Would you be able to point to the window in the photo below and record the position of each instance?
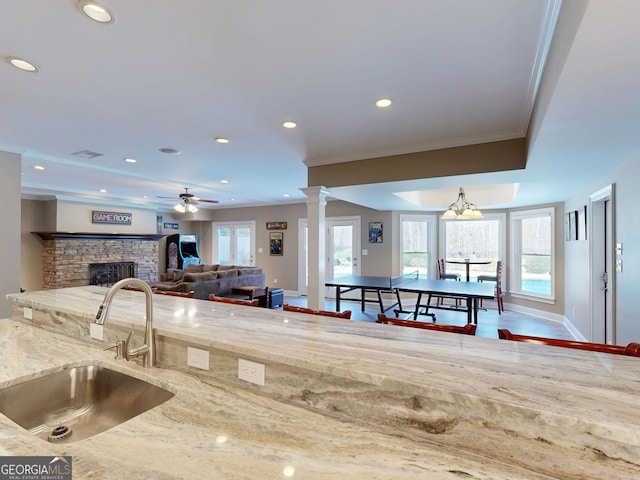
(482, 239)
(532, 253)
(417, 241)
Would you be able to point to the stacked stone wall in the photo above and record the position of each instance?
(66, 261)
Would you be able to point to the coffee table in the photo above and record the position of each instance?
(251, 291)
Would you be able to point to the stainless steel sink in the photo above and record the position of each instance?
(78, 402)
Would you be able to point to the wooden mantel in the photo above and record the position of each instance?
(96, 236)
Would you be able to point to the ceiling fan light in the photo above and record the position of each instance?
(180, 208)
(192, 208)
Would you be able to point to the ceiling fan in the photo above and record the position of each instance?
(188, 202)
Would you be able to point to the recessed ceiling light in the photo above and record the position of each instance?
(222, 140)
(383, 102)
(22, 64)
(38, 167)
(224, 181)
(170, 151)
(102, 190)
(286, 194)
(95, 11)
(130, 160)
(289, 124)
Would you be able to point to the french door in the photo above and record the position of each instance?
(342, 247)
(234, 243)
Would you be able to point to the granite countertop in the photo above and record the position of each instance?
(569, 407)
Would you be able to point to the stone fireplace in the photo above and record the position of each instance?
(67, 256)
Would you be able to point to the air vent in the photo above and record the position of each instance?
(86, 154)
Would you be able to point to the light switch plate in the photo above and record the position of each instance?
(28, 313)
(198, 358)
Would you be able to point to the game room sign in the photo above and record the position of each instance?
(111, 218)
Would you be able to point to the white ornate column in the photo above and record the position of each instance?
(316, 203)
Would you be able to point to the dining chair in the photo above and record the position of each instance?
(327, 313)
(443, 275)
(174, 294)
(632, 349)
(235, 301)
(497, 278)
(468, 329)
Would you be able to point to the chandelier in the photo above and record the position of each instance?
(462, 209)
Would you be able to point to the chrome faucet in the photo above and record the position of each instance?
(148, 349)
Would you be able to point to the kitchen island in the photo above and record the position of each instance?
(341, 398)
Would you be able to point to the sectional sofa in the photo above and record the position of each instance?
(205, 279)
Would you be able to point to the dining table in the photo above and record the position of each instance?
(467, 262)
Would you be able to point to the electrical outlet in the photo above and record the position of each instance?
(198, 358)
(96, 331)
(275, 280)
(28, 313)
(252, 372)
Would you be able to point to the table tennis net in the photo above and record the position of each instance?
(402, 279)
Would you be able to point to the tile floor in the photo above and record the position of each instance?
(489, 321)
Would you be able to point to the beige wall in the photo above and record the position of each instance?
(43, 216)
(34, 219)
(10, 218)
(284, 269)
(77, 217)
(627, 231)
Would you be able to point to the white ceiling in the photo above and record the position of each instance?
(178, 74)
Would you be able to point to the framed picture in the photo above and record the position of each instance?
(583, 223)
(375, 232)
(571, 225)
(275, 243)
(276, 225)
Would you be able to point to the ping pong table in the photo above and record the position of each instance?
(470, 292)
